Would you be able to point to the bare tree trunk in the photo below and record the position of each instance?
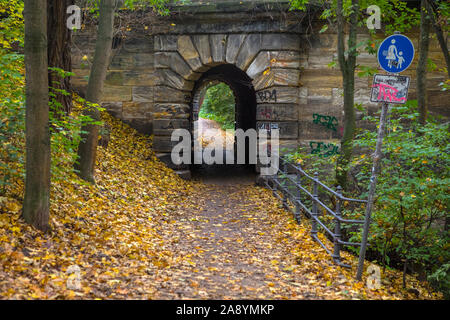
(59, 44)
(439, 33)
(422, 64)
(347, 66)
(37, 181)
(88, 146)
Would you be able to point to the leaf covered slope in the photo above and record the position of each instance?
(143, 233)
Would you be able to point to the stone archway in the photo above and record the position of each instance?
(266, 63)
(244, 94)
(239, 83)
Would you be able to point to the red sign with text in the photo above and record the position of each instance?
(390, 88)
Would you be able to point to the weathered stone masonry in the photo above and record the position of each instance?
(156, 71)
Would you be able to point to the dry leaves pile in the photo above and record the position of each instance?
(143, 233)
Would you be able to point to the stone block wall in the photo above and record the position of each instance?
(153, 72)
(131, 79)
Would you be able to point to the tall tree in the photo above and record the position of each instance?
(88, 146)
(424, 40)
(347, 66)
(37, 181)
(59, 54)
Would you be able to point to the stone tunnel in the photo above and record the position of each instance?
(276, 62)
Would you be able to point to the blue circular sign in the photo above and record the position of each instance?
(396, 53)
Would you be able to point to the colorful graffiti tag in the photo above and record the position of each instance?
(390, 88)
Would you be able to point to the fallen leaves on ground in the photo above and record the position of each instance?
(143, 233)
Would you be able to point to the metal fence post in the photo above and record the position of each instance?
(314, 206)
(273, 187)
(337, 228)
(274, 183)
(285, 185)
(298, 197)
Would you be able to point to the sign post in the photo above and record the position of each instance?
(372, 187)
(394, 55)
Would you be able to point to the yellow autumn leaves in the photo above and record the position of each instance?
(142, 233)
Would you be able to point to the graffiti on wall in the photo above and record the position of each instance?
(329, 122)
(268, 96)
(268, 113)
(323, 150)
(269, 126)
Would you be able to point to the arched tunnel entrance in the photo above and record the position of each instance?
(244, 118)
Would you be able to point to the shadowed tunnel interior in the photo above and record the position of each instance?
(245, 118)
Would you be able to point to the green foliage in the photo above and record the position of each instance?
(312, 163)
(440, 279)
(445, 85)
(160, 6)
(412, 203)
(365, 71)
(11, 23)
(395, 16)
(443, 8)
(65, 130)
(219, 105)
(411, 207)
(298, 4)
(12, 117)
(12, 98)
(431, 66)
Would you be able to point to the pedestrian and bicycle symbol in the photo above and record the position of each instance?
(396, 53)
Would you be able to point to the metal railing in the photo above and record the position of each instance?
(289, 180)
